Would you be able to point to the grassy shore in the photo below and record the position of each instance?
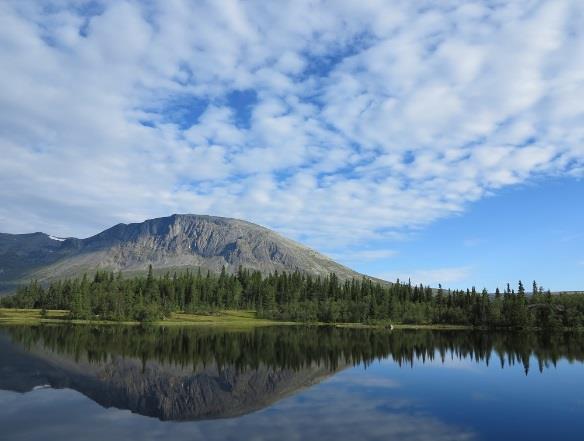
(227, 318)
(403, 326)
(222, 318)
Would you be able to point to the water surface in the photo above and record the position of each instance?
(288, 383)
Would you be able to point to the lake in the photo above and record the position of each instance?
(288, 383)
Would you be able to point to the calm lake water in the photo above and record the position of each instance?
(288, 383)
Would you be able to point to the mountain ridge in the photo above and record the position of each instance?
(169, 392)
(174, 242)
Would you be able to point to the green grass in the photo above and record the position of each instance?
(226, 318)
(433, 327)
(222, 318)
(30, 316)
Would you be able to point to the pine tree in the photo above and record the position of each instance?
(534, 289)
(520, 288)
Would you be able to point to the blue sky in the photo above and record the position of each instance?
(525, 232)
(438, 140)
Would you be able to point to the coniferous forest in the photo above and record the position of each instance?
(299, 297)
(300, 347)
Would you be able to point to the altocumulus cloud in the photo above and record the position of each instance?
(329, 121)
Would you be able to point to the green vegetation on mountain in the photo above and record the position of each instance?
(175, 243)
(297, 347)
(297, 297)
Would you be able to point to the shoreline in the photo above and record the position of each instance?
(225, 318)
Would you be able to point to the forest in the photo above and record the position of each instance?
(299, 297)
(300, 347)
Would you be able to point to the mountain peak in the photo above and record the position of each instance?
(175, 242)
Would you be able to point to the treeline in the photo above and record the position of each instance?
(299, 297)
(299, 347)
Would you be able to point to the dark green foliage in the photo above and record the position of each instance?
(298, 347)
(299, 297)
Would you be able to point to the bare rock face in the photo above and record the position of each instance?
(169, 393)
(168, 243)
(154, 389)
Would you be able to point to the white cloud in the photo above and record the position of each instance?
(365, 255)
(368, 118)
(377, 382)
(430, 277)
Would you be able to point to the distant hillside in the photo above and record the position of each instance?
(176, 242)
(152, 388)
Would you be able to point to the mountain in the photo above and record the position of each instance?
(153, 388)
(172, 243)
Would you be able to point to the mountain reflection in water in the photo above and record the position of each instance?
(174, 373)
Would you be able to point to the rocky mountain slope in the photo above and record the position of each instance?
(154, 389)
(176, 242)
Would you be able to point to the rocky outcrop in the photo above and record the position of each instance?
(169, 243)
(151, 388)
